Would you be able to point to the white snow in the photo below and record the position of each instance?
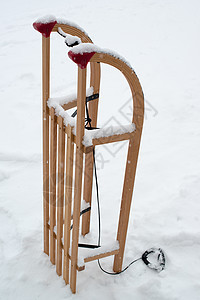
(84, 205)
(69, 39)
(51, 18)
(46, 19)
(89, 135)
(70, 23)
(161, 41)
(55, 229)
(88, 48)
(105, 132)
(67, 99)
(57, 103)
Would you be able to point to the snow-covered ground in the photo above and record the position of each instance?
(161, 41)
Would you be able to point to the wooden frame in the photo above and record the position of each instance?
(58, 190)
(88, 175)
(78, 173)
(68, 202)
(53, 156)
(45, 96)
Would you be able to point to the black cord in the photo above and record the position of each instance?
(98, 202)
(117, 273)
(65, 36)
(88, 122)
(61, 34)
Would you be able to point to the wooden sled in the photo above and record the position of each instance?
(57, 190)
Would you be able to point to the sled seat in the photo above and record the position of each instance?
(91, 138)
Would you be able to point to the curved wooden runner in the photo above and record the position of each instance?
(133, 149)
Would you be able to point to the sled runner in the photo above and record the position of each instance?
(58, 127)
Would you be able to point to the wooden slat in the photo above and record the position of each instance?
(102, 255)
(113, 138)
(80, 268)
(70, 105)
(78, 173)
(68, 202)
(88, 173)
(87, 191)
(95, 257)
(107, 140)
(45, 90)
(60, 195)
(129, 179)
(53, 155)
